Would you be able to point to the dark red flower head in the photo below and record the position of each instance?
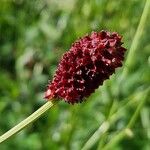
(90, 61)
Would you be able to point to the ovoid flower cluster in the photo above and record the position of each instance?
(90, 61)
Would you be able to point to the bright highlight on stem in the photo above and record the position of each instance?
(27, 121)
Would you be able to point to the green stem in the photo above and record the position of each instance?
(26, 121)
(127, 130)
(136, 39)
(104, 126)
(101, 130)
(99, 133)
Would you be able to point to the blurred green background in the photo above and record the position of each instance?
(33, 36)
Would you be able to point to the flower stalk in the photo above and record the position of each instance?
(27, 121)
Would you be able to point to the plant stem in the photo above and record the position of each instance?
(103, 128)
(116, 139)
(26, 121)
(136, 39)
(99, 133)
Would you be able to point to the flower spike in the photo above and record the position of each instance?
(90, 61)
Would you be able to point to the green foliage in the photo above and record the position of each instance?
(33, 36)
